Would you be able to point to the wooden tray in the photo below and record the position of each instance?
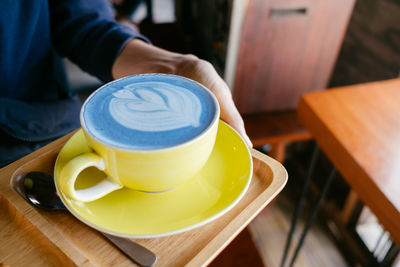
(34, 237)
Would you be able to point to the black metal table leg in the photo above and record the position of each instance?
(374, 251)
(300, 203)
(390, 256)
(314, 213)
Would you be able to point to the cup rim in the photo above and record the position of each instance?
(214, 121)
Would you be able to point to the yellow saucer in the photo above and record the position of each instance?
(128, 213)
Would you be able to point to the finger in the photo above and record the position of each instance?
(233, 118)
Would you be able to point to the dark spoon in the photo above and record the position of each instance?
(40, 191)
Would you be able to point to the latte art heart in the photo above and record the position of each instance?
(155, 107)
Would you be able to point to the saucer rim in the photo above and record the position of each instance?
(168, 233)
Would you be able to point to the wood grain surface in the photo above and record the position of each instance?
(371, 47)
(358, 128)
(60, 237)
(287, 48)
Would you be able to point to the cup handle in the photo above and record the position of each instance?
(70, 172)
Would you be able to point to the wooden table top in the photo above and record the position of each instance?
(358, 128)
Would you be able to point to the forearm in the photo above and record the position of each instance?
(85, 31)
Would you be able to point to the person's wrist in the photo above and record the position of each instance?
(139, 57)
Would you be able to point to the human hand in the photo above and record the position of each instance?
(204, 73)
(139, 57)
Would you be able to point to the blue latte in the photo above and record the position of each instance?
(149, 111)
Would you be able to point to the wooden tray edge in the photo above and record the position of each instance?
(33, 215)
(279, 180)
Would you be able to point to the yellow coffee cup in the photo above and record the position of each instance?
(149, 132)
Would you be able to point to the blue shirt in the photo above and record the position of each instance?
(36, 104)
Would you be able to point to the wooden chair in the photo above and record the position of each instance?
(277, 51)
(275, 128)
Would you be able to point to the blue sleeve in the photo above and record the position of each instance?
(85, 31)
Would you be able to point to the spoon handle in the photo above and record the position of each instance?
(134, 251)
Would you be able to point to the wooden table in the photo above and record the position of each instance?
(31, 236)
(358, 128)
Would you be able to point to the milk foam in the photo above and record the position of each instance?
(155, 107)
(147, 112)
